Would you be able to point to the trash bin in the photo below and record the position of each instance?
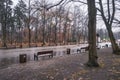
(68, 51)
(106, 45)
(22, 58)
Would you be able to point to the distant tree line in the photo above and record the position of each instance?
(38, 23)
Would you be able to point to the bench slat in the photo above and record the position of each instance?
(42, 53)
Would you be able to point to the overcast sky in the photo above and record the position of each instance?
(53, 1)
(15, 2)
(100, 24)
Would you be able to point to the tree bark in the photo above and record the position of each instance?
(108, 22)
(92, 62)
(29, 30)
(115, 47)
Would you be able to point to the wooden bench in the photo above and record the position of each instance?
(43, 53)
(83, 49)
(86, 48)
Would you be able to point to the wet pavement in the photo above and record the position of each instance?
(11, 56)
(67, 67)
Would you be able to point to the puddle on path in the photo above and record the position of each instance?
(9, 57)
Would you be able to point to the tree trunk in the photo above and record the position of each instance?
(55, 40)
(115, 47)
(4, 26)
(29, 37)
(92, 62)
(108, 22)
(43, 41)
(29, 31)
(4, 35)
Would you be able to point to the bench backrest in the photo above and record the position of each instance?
(44, 52)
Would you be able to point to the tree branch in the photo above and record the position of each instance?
(113, 5)
(108, 7)
(79, 1)
(55, 4)
(102, 11)
(117, 21)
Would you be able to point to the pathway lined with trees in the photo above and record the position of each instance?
(66, 67)
(40, 23)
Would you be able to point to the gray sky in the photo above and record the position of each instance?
(15, 2)
(83, 7)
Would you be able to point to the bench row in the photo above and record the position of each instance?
(50, 52)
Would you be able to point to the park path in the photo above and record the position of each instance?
(11, 56)
(67, 67)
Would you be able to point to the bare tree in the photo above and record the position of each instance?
(92, 62)
(5, 16)
(116, 18)
(108, 20)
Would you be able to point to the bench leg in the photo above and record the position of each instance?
(83, 51)
(35, 57)
(51, 56)
(78, 51)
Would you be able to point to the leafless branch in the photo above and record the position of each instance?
(79, 1)
(55, 4)
(117, 21)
